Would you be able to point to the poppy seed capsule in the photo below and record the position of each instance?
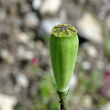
(63, 51)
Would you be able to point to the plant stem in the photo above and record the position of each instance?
(63, 100)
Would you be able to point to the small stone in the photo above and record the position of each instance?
(25, 8)
(46, 26)
(31, 45)
(22, 80)
(73, 81)
(91, 50)
(106, 106)
(18, 22)
(50, 6)
(22, 53)
(38, 45)
(23, 38)
(7, 56)
(2, 15)
(7, 102)
(100, 65)
(86, 65)
(36, 4)
(20, 50)
(44, 52)
(31, 20)
(10, 59)
(87, 101)
(90, 29)
(28, 55)
(31, 35)
(4, 54)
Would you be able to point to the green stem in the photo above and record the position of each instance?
(63, 100)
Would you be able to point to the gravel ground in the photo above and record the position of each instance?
(24, 48)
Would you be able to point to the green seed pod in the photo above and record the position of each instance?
(63, 51)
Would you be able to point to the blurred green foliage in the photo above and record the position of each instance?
(91, 82)
(48, 97)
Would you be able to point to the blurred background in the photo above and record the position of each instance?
(26, 81)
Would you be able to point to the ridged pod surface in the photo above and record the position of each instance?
(63, 51)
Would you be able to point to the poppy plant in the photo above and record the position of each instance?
(63, 51)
